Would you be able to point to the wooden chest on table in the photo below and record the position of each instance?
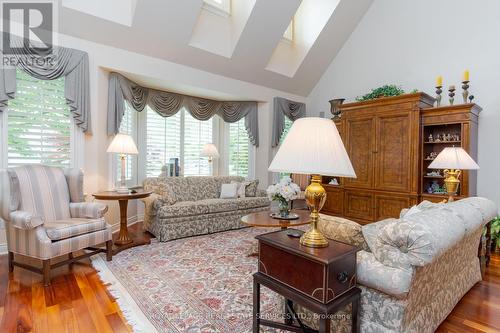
(322, 274)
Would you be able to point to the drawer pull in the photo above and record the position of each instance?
(342, 277)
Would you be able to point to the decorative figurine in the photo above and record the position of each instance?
(471, 97)
(451, 93)
(431, 139)
(334, 181)
(335, 107)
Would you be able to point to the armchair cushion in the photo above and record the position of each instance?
(25, 220)
(74, 178)
(372, 273)
(89, 210)
(67, 228)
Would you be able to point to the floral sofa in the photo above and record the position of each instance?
(189, 206)
(413, 270)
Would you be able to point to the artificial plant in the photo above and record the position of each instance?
(387, 90)
(495, 232)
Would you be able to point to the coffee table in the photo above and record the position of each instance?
(263, 220)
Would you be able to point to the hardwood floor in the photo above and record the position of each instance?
(77, 301)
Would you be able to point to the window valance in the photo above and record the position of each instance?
(70, 63)
(168, 104)
(284, 107)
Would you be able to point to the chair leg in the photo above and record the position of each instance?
(70, 255)
(11, 261)
(109, 250)
(46, 272)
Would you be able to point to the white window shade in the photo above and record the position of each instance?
(196, 134)
(127, 126)
(38, 123)
(239, 149)
(163, 140)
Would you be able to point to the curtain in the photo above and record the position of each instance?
(62, 61)
(167, 104)
(284, 107)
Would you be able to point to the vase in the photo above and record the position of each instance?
(335, 107)
(284, 208)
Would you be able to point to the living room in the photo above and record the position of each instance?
(231, 120)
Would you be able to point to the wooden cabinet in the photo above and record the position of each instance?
(385, 140)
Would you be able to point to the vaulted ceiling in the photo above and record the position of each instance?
(247, 45)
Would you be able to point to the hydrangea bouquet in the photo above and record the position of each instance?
(283, 192)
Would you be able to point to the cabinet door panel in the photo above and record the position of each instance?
(360, 135)
(387, 206)
(334, 203)
(393, 158)
(358, 205)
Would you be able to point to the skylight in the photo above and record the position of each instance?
(220, 7)
(288, 35)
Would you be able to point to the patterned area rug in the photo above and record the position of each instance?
(197, 284)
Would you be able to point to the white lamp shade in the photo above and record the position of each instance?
(210, 150)
(454, 158)
(123, 144)
(313, 146)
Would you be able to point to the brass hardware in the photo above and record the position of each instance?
(315, 196)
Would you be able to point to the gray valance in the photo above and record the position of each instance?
(62, 61)
(167, 104)
(284, 107)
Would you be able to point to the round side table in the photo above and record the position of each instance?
(124, 240)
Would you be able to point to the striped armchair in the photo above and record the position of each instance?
(46, 217)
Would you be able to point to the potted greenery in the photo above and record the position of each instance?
(495, 233)
(387, 90)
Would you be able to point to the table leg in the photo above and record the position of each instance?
(355, 315)
(256, 307)
(289, 317)
(123, 236)
(324, 325)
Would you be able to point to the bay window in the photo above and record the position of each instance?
(240, 149)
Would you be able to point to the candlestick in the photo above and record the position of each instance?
(451, 93)
(465, 92)
(438, 95)
(471, 97)
(465, 77)
(439, 81)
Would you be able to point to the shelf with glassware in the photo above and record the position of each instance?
(443, 127)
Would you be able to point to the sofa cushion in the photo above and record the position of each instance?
(474, 211)
(342, 230)
(220, 205)
(66, 228)
(253, 202)
(424, 205)
(373, 274)
(204, 187)
(371, 231)
(182, 209)
(251, 189)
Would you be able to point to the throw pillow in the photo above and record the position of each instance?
(424, 205)
(342, 230)
(241, 187)
(229, 191)
(371, 231)
(251, 189)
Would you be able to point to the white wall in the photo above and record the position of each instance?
(409, 43)
(103, 59)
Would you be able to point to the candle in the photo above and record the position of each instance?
(451, 88)
(466, 75)
(439, 81)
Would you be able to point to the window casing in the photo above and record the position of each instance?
(219, 7)
(289, 33)
(37, 127)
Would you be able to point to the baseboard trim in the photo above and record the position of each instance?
(130, 221)
(3, 249)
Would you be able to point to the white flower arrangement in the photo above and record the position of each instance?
(284, 191)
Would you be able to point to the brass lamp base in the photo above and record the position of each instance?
(451, 182)
(315, 197)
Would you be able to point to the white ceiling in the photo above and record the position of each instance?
(165, 28)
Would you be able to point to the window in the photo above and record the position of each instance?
(163, 140)
(127, 126)
(38, 123)
(288, 125)
(289, 32)
(239, 149)
(180, 136)
(219, 7)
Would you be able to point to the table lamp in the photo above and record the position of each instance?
(210, 150)
(453, 160)
(123, 145)
(313, 146)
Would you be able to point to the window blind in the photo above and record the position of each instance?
(126, 127)
(38, 123)
(196, 134)
(239, 145)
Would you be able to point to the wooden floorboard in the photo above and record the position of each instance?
(77, 301)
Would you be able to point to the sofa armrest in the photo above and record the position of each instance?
(389, 280)
(261, 193)
(343, 230)
(149, 207)
(24, 220)
(88, 210)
